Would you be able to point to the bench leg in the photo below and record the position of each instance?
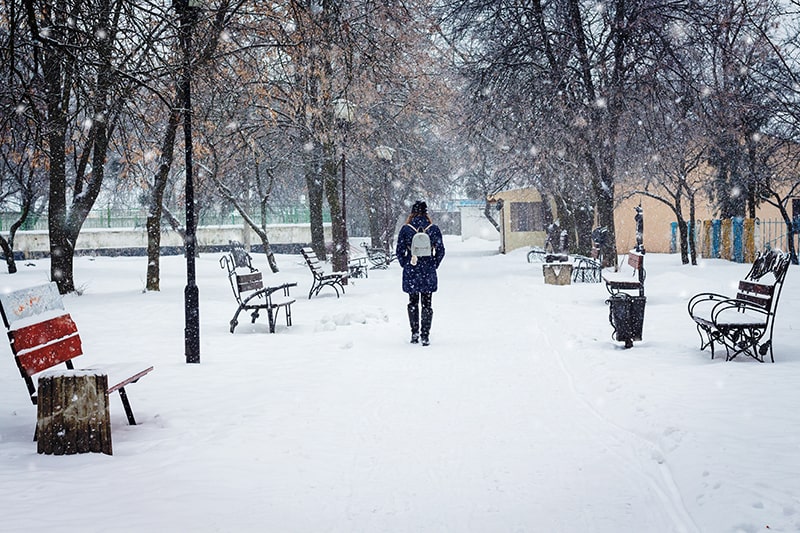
(707, 338)
(271, 317)
(332, 284)
(288, 311)
(234, 321)
(127, 405)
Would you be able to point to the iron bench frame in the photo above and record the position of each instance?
(380, 258)
(247, 284)
(744, 323)
(617, 280)
(321, 279)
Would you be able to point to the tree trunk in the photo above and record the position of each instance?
(60, 268)
(693, 232)
(315, 200)
(155, 210)
(338, 234)
(584, 218)
(789, 234)
(487, 212)
(684, 245)
(9, 253)
(605, 217)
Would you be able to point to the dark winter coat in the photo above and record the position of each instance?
(422, 277)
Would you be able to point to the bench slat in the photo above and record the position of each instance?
(24, 303)
(42, 333)
(757, 288)
(122, 374)
(49, 355)
(635, 260)
(764, 303)
(249, 282)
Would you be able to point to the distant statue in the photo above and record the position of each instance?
(639, 218)
(557, 239)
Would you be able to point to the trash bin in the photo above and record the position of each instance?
(626, 315)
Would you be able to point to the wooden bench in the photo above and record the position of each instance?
(623, 280)
(321, 278)
(358, 267)
(247, 284)
(378, 256)
(358, 263)
(743, 324)
(586, 270)
(42, 335)
(536, 255)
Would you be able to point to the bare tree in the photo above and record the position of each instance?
(576, 66)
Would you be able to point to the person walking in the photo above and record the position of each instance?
(420, 250)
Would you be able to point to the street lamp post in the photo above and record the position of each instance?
(385, 154)
(187, 11)
(344, 112)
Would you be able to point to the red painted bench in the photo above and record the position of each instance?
(42, 335)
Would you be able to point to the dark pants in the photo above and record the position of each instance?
(414, 313)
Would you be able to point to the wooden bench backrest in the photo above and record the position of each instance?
(311, 260)
(249, 282)
(635, 260)
(40, 331)
(757, 294)
(243, 277)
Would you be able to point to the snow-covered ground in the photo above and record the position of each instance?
(522, 415)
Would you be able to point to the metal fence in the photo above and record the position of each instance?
(738, 239)
(136, 218)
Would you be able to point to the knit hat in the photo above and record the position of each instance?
(419, 208)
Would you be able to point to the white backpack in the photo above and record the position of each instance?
(421, 242)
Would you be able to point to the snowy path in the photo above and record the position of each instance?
(521, 416)
(563, 458)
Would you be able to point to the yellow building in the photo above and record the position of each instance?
(523, 218)
(658, 220)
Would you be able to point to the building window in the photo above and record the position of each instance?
(527, 216)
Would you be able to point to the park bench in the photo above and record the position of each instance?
(536, 255)
(624, 278)
(321, 279)
(744, 323)
(247, 284)
(42, 335)
(379, 257)
(586, 270)
(358, 267)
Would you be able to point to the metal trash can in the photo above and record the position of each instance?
(626, 315)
